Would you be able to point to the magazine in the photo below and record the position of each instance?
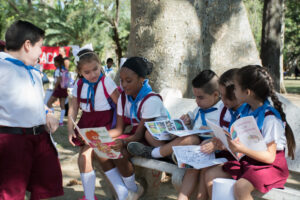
(100, 140)
(191, 155)
(168, 129)
(246, 130)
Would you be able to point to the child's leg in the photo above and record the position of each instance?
(153, 142)
(51, 101)
(189, 182)
(202, 192)
(211, 174)
(62, 109)
(243, 189)
(87, 173)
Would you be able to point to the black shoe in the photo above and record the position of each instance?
(139, 149)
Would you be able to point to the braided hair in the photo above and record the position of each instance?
(258, 80)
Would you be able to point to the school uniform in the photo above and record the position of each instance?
(151, 106)
(28, 159)
(59, 92)
(264, 176)
(212, 115)
(101, 113)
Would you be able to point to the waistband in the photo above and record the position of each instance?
(36, 130)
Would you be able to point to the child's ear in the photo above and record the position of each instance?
(249, 92)
(216, 94)
(27, 46)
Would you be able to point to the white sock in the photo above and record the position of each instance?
(88, 183)
(62, 115)
(156, 153)
(130, 183)
(116, 181)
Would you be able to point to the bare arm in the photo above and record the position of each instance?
(115, 96)
(73, 111)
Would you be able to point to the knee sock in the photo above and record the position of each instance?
(156, 153)
(130, 183)
(88, 183)
(116, 181)
(62, 115)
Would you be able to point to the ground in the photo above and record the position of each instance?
(71, 177)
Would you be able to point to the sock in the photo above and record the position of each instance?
(130, 183)
(62, 115)
(88, 183)
(156, 153)
(116, 181)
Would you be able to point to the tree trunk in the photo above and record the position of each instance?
(272, 41)
(183, 37)
(116, 37)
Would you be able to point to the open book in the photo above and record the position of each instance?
(246, 130)
(168, 129)
(193, 156)
(100, 140)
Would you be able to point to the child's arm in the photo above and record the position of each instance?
(186, 119)
(116, 132)
(73, 111)
(267, 156)
(115, 96)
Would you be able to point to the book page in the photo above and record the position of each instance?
(183, 133)
(222, 135)
(248, 133)
(100, 140)
(192, 155)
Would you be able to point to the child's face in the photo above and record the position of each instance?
(109, 64)
(241, 95)
(130, 81)
(91, 71)
(205, 100)
(33, 52)
(227, 102)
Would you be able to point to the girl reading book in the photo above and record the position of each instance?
(94, 94)
(261, 170)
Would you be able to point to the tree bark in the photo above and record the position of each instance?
(116, 37)
(272, 41)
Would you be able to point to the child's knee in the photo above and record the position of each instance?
(191, 140)
(242, 187)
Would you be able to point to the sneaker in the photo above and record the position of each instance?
(138, 149)
(135, 195)
(83, 198)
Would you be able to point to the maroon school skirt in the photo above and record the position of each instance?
(60, 92)
(92, 120)
(263, 176)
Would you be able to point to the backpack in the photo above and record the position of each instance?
(65, 78)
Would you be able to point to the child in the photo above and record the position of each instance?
(205, 89)
(90, 94)
(136, 105)
(28, 159)
(108, 68)
(261, 170)
(59, 92)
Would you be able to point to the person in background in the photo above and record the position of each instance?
(62, 52)
(108, 68)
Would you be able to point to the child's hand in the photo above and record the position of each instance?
(186, 119)
(207, 146)
(118, 145)
(52, 122)
(72, 135)
(236, 146)
(218, 144)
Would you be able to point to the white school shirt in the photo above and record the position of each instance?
(273, 130)
(213, 116)
(21, 102)
(153, 107)
(101, 103)
(57, 74)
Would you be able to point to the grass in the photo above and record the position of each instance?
(292, 85)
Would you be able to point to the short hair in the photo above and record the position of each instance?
(207, 80)
(19, 32)
(109, 60)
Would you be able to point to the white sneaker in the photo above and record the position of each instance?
(135, 195)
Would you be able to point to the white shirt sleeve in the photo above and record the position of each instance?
(74, 91)
(57, 73)
(273, 130)
(110, 85)
(153, 107)
(119, 106)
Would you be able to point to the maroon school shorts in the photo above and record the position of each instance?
(60, 92)
(29, 162)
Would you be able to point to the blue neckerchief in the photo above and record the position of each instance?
(90, 91)
(259, 113)
(21, 64)
(146, 89)
(203, 112)
(240, 112)
(107, 70)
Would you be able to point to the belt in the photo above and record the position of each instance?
(36, 130)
